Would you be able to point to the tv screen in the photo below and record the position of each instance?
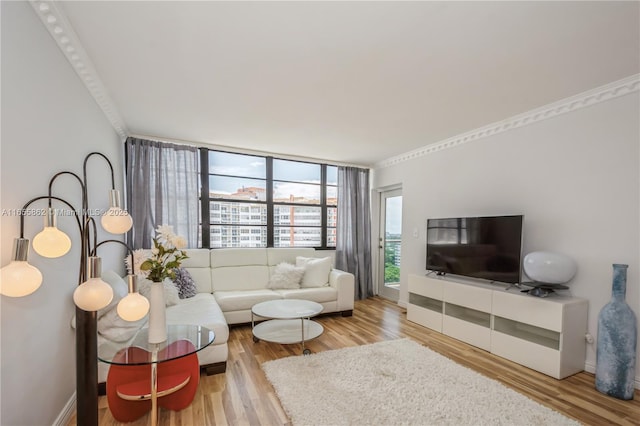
(487, 247)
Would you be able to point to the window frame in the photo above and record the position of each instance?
(205, 200)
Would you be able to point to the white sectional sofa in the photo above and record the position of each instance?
(231, 281)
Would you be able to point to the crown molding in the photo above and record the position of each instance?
(591, 97)
(62, 32)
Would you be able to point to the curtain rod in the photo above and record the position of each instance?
(247, 151)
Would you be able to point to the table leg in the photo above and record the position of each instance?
(302, 323)
(255, 339)
(154, 387)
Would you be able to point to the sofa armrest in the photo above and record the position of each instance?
(344, 282)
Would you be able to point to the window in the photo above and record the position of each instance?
(332, 205)
(255, 201)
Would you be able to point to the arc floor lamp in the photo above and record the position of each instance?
(19, 278)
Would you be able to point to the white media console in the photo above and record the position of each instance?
(545, 334)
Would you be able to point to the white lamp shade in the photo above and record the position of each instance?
(548, 267)
(133, 307)
(19, 279)
(51, 242)
(92, 295)
(116, 221)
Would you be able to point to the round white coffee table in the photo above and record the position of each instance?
(289, 321)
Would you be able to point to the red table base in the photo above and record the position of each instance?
(134, 381)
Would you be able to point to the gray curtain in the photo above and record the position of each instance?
(162, 189)
(353, 245)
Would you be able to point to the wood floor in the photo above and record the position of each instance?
(242, 396)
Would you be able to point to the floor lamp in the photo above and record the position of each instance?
(19, 278)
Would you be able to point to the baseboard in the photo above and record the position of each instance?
(69, 409)
(591, 368)
(402, 303)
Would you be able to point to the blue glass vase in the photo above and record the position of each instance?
(617, 340)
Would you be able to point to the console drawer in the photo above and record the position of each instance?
(425, 317)
(468, 296)
(529, 354)
(426, 286)
(530, 310)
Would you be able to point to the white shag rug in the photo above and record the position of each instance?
(397, 382)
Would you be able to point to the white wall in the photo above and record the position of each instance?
(574, 177)
(49, 123)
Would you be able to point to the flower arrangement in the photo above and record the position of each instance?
(166, 255)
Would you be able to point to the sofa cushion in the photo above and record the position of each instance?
(286, 275)
(198, 258)
(202, 310)
(232, 278)
(315, 294)
(316, 271)
(277, 255)
(243, 300)
(202, 278)
(198, 266)
(238, 257)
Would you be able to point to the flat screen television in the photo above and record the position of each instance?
(488, 247)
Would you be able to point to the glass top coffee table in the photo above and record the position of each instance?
(200, 337)
(289, 321)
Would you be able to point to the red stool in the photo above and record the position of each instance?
(129, 386)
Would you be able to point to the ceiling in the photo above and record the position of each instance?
(348, 82)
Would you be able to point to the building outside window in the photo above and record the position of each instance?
(256, 201)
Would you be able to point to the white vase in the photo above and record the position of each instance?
(157, 316)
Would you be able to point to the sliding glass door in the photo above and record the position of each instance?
(390, 244)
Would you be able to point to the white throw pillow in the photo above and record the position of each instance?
(286, 275)
(171, 295)
(316, 271)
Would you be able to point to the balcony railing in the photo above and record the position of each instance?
(392, 254)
